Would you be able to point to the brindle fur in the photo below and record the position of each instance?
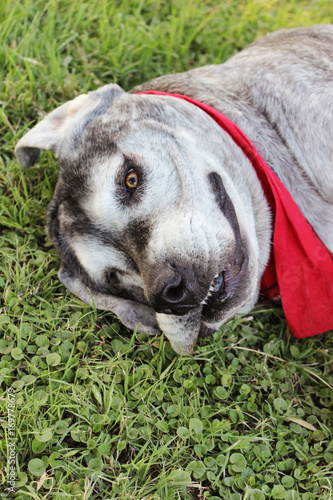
(199, 208)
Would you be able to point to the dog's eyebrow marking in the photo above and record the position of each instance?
(222, 198)
(138, 232)
(225, 204)
(218, 189)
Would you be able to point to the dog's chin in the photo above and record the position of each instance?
(227, 290)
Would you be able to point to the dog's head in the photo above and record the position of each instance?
(149, 219)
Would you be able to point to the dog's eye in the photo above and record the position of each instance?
(131, 180)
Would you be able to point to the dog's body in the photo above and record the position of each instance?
(157, 215)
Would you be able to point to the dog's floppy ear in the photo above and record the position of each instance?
(76, 113)
(132, 314)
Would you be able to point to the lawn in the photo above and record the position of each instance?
(88, 409)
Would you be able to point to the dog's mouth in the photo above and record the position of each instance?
(224, 284)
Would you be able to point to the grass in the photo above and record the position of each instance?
(101, 412)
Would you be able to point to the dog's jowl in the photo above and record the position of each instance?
(178, 212)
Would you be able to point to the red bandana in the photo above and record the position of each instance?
(300, 267)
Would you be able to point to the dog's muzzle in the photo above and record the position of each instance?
(178, 290)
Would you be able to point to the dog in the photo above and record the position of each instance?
(158, 214)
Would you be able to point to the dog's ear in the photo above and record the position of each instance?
(76, 113)
(132, 314)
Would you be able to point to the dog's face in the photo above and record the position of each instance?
(147, 217)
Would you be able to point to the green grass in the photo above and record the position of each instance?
(101, 412)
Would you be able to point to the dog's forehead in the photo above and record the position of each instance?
(128, 112)
(137, 124)
(161, 109)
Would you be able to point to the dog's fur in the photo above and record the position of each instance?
(150, 254)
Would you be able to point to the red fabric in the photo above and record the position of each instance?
(300, 268)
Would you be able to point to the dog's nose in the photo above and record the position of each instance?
(175, 293)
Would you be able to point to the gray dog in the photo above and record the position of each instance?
(158, 215)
